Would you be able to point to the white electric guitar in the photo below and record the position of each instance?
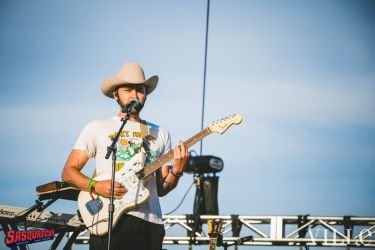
(95, 212)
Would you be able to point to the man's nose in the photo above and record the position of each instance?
(133, 93)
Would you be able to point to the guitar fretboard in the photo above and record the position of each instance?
(161, 161)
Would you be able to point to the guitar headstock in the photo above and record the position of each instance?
(214, 227)
(220, 126)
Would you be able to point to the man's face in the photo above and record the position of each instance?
(126, 93)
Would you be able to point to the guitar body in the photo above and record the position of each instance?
(136, 195)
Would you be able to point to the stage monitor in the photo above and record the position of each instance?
(204, 164)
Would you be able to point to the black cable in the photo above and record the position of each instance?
(204, 72)
(183, 198)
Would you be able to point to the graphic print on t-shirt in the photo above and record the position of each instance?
(132, 148)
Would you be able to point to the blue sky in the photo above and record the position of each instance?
(300, 73)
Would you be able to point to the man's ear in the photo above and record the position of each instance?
(115, 95)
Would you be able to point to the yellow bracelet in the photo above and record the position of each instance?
(91, 183)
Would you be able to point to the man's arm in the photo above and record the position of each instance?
(168, 176)
(72, 174)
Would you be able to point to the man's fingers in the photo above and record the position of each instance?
(181, 150)
(120, 192)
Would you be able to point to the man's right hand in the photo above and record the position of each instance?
(103, 188)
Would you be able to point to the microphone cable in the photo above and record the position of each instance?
(182, 200)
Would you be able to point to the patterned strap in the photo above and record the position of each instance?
(144, 129)
(145, 133)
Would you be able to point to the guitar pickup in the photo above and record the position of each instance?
(132, 180)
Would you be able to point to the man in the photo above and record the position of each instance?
(140, 228)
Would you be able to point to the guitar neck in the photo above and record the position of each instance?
(161, 161)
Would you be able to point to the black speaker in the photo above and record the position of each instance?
(204, 164)
(210, 187)
(206, 196)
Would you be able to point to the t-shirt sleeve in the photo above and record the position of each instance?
(86, 141)
(168, 144)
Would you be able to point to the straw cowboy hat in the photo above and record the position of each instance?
(130, 73)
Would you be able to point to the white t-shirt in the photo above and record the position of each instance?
(96, 137)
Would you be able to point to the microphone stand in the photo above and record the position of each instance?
(113, 149)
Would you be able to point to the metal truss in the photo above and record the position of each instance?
(302, 230)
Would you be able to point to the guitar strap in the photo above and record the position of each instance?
(144, 133)
(144, 130)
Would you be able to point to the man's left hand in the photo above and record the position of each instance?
(180, 156)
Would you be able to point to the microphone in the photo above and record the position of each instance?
(132, 104)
